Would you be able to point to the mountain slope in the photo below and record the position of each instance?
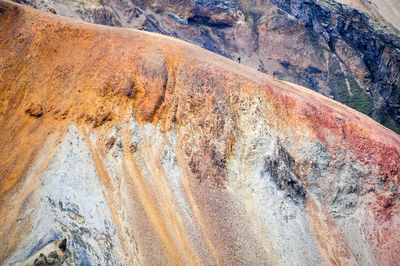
(346, 50)
(142, 149)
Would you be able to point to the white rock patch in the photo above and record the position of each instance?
(71, 204)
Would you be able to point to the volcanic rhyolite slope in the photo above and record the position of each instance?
(348, 50)
(142, 149)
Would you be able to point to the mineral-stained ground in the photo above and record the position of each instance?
(123, 147)
(347, 50)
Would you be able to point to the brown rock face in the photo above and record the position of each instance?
(153, 151)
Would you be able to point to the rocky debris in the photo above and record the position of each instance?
(55, 253)
(200, 166)
(124, 86)
(101, 116)
(343, 196)
(60, 114)
(282, 170)
(102, 15)
(114, 142)
(34, 109)
(110, 143)
(133, 147)
(52, 259)
(118, 150)
(215, 13)
(126, 90)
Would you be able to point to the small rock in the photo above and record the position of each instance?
(133, 147)
(60, 114)
(53, 258)
(34, 109)
(119, 145)
(110, 143)
(40, 261)
(102, 116)
(52, 10)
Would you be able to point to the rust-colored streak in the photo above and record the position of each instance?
(153, 214)
(328, 236)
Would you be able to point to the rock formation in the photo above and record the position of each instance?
(149, 150)
(348, 50)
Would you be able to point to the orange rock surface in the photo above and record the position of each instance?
(185, 156)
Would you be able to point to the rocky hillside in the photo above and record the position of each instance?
(122, 147)
(348, 50)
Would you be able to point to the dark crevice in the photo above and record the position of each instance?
(206, 21)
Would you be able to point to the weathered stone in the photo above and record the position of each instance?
(34, 109)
